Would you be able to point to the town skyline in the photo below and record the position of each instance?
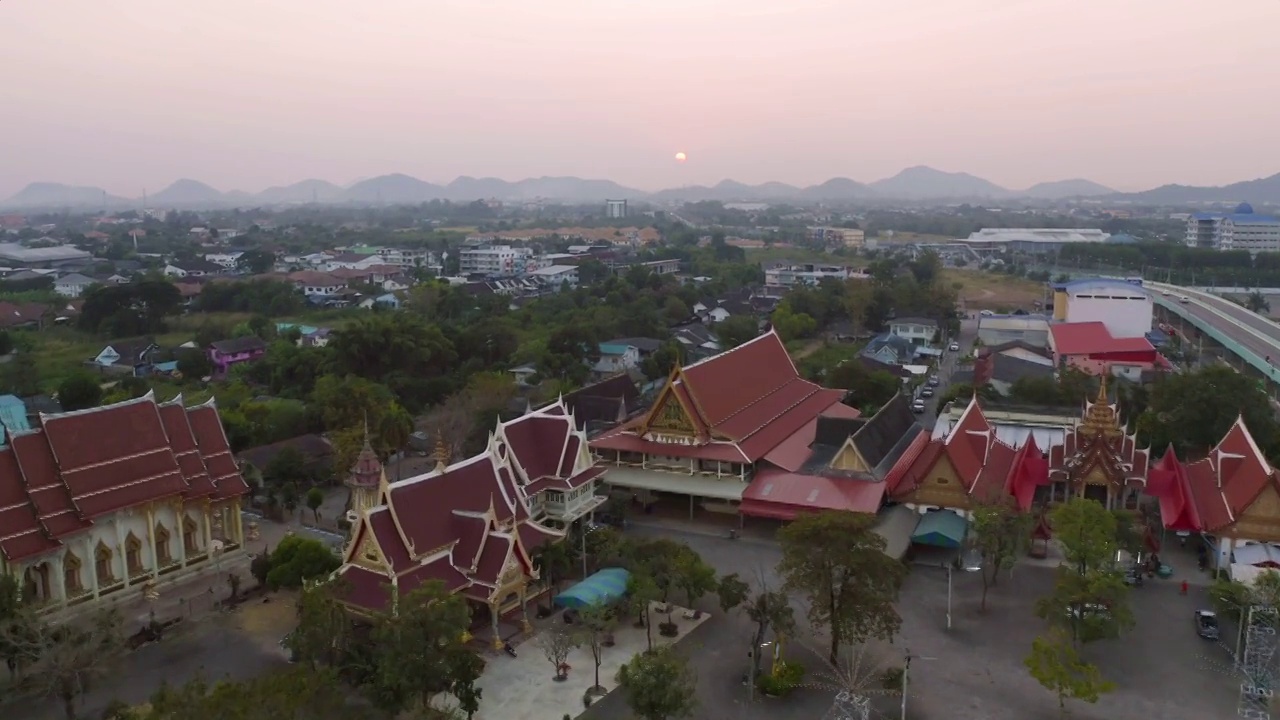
(1004, 90)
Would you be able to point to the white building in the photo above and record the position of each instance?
(353, 261)
(778, 280)
(407, 258)
(555, 276)
(227, 261)
(1240, 230)
(72, 285)
(1125, 308)
(920, 331)
(614, 209)
(494, 260)
(616, 358)
(1031, 240)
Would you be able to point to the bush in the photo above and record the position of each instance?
(786, 676)
(296, 559)
(892, 679)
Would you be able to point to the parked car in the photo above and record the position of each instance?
(1207, 624)
(926, 392)
(917, 406)
(934, 382)
(954, 347)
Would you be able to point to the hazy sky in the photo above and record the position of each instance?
(243, 94)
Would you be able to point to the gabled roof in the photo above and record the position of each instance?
(1089, 338)
(879, 436)
(248, 343)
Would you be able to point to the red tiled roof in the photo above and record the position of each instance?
(577, 481)
(441, 569)
(216, 451)
(365, 588)
(898, 472)
(22, 535)
(537, 443)
(186, 451)
(471, 531)
(385, 534)
(783, 495)
(497, 548)
(1167, 481)
(534, 536)
(1088, 338)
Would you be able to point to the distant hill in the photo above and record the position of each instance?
(926, 183)
(1262, 190)
(39, 195)
(1063, 189)
(836, 189)
(304, 191)
(187, 193)
(394, 188)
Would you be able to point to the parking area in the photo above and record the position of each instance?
(1162, 668)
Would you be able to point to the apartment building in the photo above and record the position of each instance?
(407, 258)
(496, 261)
(780, 279)
(1241, 230)
(831, 236)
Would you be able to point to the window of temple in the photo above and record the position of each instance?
(163, 555)
(133, 554)
(102, 564)
(71, 573)
(36, 582)
(189, 535)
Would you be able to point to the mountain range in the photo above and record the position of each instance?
(911, 185)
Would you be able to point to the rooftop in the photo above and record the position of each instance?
(1089, 338)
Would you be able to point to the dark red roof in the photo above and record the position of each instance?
(1088, 338)
(537, 442)
(783, 495)
(1167, 480)
(441, 569)
(216, 451)
(497, 548)
(22, 535)
(365, 588)
(388, 538)
(185, 449)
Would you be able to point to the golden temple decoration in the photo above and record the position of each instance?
(1100, 417)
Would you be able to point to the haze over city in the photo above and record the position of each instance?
(133, 94)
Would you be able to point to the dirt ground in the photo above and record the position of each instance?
(992, 291)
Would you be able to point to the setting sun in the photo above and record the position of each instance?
(681, 157)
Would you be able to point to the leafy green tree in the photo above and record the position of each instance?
(660, 362)
(1056, 665)
(770, 611)
(791, 325)
(256, 261)
(296, 693)
(868, 389)
(732, 591)
(296, 559)
(555, 561)
(419, 651)
(79, 390)
(1193, 410)
(1232, 598)
(1000, 533)
(736, 330)
(694, 577)
(21, 375)
(1087, 532)
(642, 593)
(6, 342)
(1089, 597)
(659, 685)
(286, 466)
(838, 563)
(595, 629)
(260, 567)
(194, 363)
(315, 498)
(346, 404)
(324, 631)
(1257, 302)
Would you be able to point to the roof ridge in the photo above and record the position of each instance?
(762, 398)
(735, 349)
(784, 411)
(149, 397)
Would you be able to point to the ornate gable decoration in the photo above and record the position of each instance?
(670, 417)
(1100, 416)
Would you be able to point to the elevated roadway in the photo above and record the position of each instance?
(1253, 339)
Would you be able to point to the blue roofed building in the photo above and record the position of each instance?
(1240, 230)
(13, 415)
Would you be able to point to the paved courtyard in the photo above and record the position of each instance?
(1163, 669)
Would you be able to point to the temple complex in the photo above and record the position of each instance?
(474, 524)
(99, 505)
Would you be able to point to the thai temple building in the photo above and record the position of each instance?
(102, 505)
(474, 524)
(1099, 460)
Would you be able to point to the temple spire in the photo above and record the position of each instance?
(1102, 390)
(441, 454)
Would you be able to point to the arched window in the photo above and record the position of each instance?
(102, 564)
(133, 554)
(71, 573)
(164, 555)
(189, 532)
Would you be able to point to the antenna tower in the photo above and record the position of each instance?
(1258, 664)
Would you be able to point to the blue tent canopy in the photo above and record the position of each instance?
(604, 587)
(941, 528)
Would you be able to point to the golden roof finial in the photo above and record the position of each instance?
(441, 453)
(1102, 390)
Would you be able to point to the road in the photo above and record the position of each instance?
(1255, 333)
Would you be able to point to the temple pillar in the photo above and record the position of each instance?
(59, 580)
(525, 625)
(238, 519)
(180, 517)
(91, 562)
(121, 552)
(151, 540)
(207, 530)
(493, 622)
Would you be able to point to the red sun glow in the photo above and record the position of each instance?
(681, 157)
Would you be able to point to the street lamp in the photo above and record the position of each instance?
(970, 561)
(751, 680)
(906, 670)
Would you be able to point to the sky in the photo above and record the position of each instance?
(130, 95)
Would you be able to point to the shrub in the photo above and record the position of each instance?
(892, 679)
(786, 676)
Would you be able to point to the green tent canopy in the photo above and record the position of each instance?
(600, 589)
(941, 528)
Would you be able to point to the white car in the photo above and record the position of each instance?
(917, 407)
(954, 347)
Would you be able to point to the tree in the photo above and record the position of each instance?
(297, 559)
(315, 498)
(1232, 598)
(1000, 531)
(732, 591)
(324, 631)
(642, 593)
(770, 610)
(297, 693)
(736, 330)
(79, 390)
(1089, 596)
(233, 583)
(595, 627)
(659, 363)
(1257, 302)
(6, 342)
(260, 567)
(838, 563)
(659, 685)
(556, 645)
(694, 576)
(348, 405)
(1193, 410)
(21, 375)
(194, 363)
(419, 653)
(1056, 665)
(256, 261)
(71, 656)
(554, 562)
(286, 466)
(791, 325)
(1087, 532)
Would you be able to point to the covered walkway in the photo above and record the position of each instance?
(601, 588)
(715, 494)
(941, 528)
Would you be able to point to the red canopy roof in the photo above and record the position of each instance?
(783, 495)
(1088, 338)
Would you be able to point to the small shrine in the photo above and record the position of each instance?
(366, 483)
(1099, 460)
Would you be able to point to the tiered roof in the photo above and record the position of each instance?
(1100, 441)
(57, 479)
(735, 407)
(985, 465)
(468, 524)
(1213, 493)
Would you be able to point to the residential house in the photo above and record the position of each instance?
(600, 406)
(1000, 329)
(386, 300)
(73, 285)
(890, 349)
(315, 283)
(522, 374)
(617, 357)
(23, 315)
(557, 276)
(918, 331)
(135, 356)
(226, 353)
(697, 339)
(193, 268)
(387, 277)
(1001, 366)
(1090, 347)
(352, 261)
(226, 261)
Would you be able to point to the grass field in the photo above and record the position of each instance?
(980, 290)
(791, 254)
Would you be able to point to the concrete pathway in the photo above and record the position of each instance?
(522, 688)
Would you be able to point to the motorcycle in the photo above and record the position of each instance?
(510, 650)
